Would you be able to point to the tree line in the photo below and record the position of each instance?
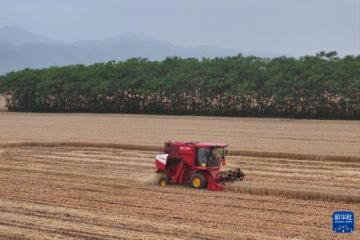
(320, 86)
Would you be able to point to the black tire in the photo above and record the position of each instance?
(198, 181)
(241, 175)
(164, 181)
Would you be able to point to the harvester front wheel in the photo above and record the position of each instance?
(164, 181)
(198, 181)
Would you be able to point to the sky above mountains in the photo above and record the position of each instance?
(21, 49)
(289, 27)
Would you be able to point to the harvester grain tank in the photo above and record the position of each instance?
(196, 164)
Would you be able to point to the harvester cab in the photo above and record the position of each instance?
(196, 164)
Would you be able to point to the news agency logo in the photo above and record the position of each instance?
(343, 222)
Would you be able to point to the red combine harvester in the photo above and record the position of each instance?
(196, 164)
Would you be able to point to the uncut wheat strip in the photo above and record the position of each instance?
(301, 187)
(82, 144)
(241, 161)
(73, 164)
(336, 173)
(293, 175)
(38, 158)
(331, 171)
(346, 187)
(68, 149)
(318, 169)
(66, 165)
(33, 171)
(134, 157)
(264, 177)
(304, 171)
(115, 176)
(296, 194)
(137, 157)
(344, 183)
(296, 156)
(117, 161)
(48, 158)
(296, 167)
(68, 172)
(99, 150)
(93, 151)
(126, 154)
(263, 154)
(297, 173)
(311, 184)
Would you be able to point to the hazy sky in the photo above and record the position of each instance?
(294, 27)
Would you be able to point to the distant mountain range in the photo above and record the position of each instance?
(20, 49)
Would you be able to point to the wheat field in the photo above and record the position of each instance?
(262, 135)
(91, 176)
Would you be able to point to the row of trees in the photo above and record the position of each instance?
(321, 86)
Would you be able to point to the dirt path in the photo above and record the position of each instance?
(105, 193)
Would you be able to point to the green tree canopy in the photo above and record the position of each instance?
(320, 86)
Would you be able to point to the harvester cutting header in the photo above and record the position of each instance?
(195, 163)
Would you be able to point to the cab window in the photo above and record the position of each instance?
(203, 156)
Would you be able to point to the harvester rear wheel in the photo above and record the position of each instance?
(164, 181)
(198, 181)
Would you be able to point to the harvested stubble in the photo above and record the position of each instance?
(92, 192)
(259, 189)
